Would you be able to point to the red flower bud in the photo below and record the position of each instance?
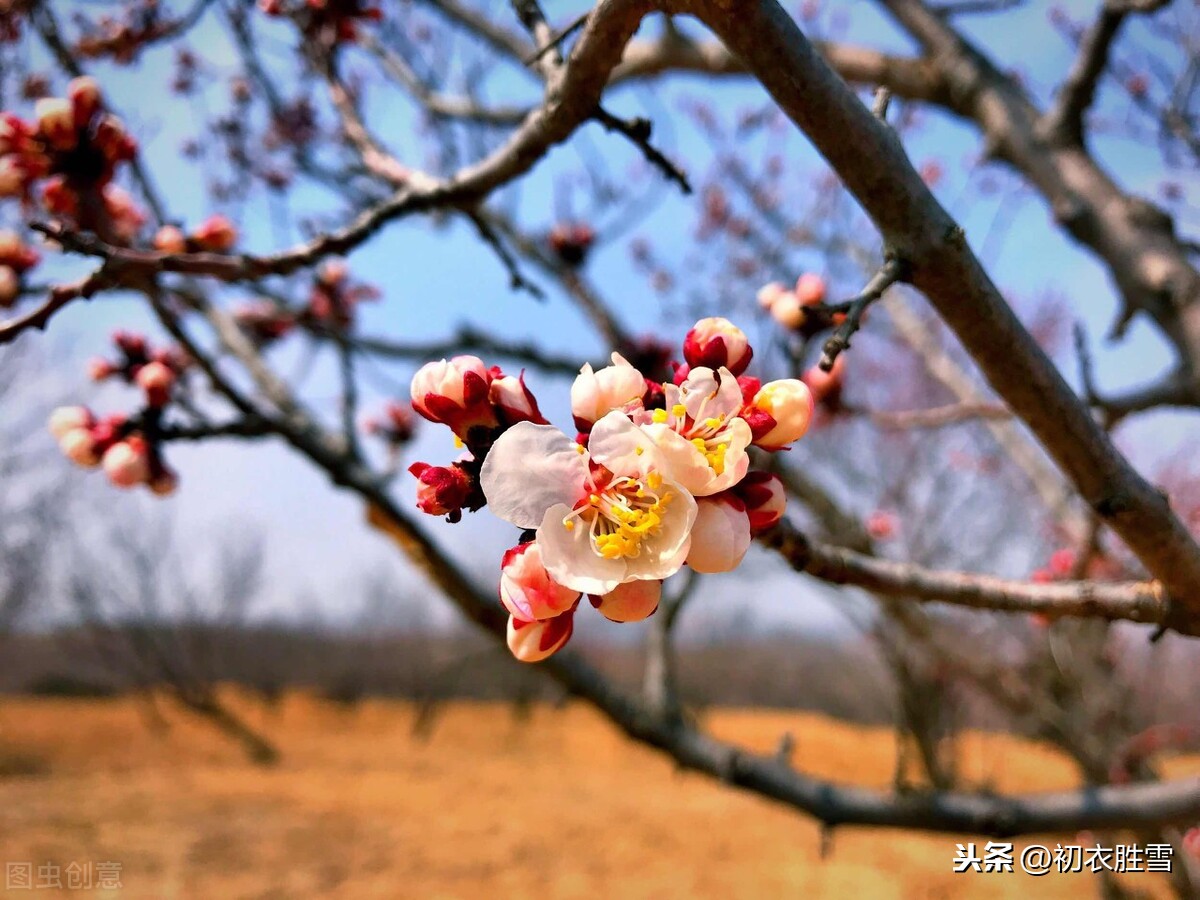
(442, 490)
(216, 233)
(765, 499)
(514, 400)
(717, 342)
(534, 641)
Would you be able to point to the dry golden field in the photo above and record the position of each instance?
(486, 807)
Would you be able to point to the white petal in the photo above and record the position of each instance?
(529, 469)
(623, 447)
(720, 537)
(570, 558)
(679, 459)
(663, 553)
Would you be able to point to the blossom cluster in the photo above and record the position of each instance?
(127, 448)
(16, 258)
(326, 21)
(72, 148)
(657, 477)
(215, 234)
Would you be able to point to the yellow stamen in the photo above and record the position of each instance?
(659, 416)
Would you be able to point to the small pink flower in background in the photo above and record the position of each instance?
(1191, 842)
(882, 525)
(170, 239)
(595, 393)
(127, 462)
(535, 641)
(69, 418)
(765, 498)
(216, 233)
(810, 289)
(720, 536)
(56, 122)
(629, 602)
(826, 387)
(789, 405)
(10, 287)
(769, 294)
(1062, 562)
(526, 588)
(156, 379)
(716, 343)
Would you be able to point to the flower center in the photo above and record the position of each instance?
(706, 434)
(622, 514)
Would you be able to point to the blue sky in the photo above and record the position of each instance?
(434, 279)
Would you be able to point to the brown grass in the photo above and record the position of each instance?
(488, 807)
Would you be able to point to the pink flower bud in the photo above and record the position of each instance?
(717, 342)
(881, 525)
(790, 405)
(69, 418)
(826, 387)
(1062, 562)
(455, 393)
(788, 311)
(810, 289)
(595, 393)
(56, 122)
(515, 401)
(441, 490)
(532, 642)
(156, 379)
(765, 498)
(720, 535)
(769, 293)
(79, 447)
(84, 94)
(12, 177)
(125, 216)
(632, 601)
(10, 286)
(170, 239)
(127, 462)
(526, 588)
(216, 233)
(14, 253)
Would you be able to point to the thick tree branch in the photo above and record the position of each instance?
(875, 169)
(1141, 602)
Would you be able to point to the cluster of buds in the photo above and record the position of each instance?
(478, 404)
(73, 147)
(154, 371)
(329, 22)
(122, 447)
(16, 258)
(335, 297)
(216, 234)
(263, 321)
(800, 309)
(122, 39)
(571, 242)
(657, 477)
(395, 427)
